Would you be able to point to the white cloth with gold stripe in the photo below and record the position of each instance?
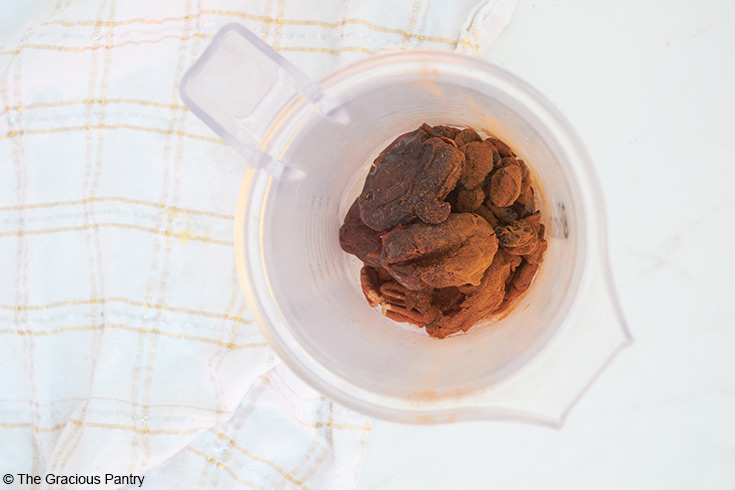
(125, 344)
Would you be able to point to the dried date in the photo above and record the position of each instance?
(410, 179)
(358, 239)
(505, 186)
(477, 303)
(480, 158)
(469, 199)
(466, 136)
(452, 253)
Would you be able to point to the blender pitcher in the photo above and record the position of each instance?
(310, 145)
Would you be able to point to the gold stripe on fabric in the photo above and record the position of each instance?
(68, 445)
(64, 129)
(221, 466)
(183, 235)
(335, 52)
(117, 299)
(267, 20)
(255, 457)
(156, 331)
(95, 47)
(130, 328)
(167, 208)
(171, 159)
(307, 49)
(130, 428)
(100, 101)
(116, 400)
(28, 425)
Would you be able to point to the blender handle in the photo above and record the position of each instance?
(239, 85)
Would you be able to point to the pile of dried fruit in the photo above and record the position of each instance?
(447, 227)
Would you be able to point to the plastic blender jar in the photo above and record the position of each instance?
(310, 145)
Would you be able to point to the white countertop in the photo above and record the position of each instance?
(650, 87)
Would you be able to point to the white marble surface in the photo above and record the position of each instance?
(650, 86)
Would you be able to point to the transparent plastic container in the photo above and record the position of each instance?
(311, 144)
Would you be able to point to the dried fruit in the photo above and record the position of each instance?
(484, 299)
(448, 228)
(537, 254)
(480, 158)
(506, 161)
(466, 136)
(504, 149)
(503, 215)
(452, 253)
(526, 184)
(488, 215)
(445, 299)
(516, 234)
(524, 275)
(525, 205)
(411, 178)
(521, 237)
(358, 239)
(469, 199)
(505, 186)
(446, 131)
